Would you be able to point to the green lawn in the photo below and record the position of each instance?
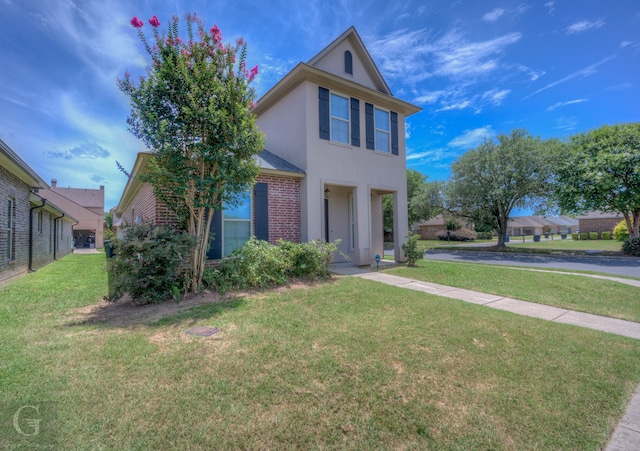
(597, 296)
(568, 244)
(348, 364)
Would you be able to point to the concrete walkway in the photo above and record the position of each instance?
(627, 434)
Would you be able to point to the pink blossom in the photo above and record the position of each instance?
(178, 40)
(233, 58)
(127, 74)
(154, 22)
(240, 41)
(216, 34)
(185, 52)
(254, 71)
(137, 23)
(252, 104)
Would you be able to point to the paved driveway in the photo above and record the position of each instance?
(620, 266)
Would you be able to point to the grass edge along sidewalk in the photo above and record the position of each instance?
(348, 364)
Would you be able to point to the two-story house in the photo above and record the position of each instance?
(335, 145)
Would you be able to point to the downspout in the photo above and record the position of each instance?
(73, 246)
(55, 235)
(44, 201)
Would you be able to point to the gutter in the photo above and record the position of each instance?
(44, 201)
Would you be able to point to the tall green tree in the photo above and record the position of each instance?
(601, 171)
(192, 109)
(415, 185)
(512, 171)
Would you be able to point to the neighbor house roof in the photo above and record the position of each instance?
(269, 162)
(14, 164)
(600, 215)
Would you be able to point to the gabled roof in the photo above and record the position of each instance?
(14, 164)
(308, 72)
(363, 54)
(66, 204)
(50, 207)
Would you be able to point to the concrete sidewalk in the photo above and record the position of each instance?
(627, 433)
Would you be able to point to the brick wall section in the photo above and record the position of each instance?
(598, 224)
(12, 187)
(284, 207)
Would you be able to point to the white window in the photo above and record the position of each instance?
(237, 225)
(11, 236)
(382, 130)
(40, 221)
(339, 118)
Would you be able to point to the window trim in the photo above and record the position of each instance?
(332, 117)
(224, 220)
(376, 129)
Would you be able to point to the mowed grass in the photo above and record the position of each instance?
(597, 296)
(348, 364)
(568, 244)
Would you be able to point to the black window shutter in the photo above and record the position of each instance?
(355, 122)
(394, 133)
(368, 113)
(261, 206)
(215, 235)
(323, 102)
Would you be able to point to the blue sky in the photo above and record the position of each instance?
(476, 68)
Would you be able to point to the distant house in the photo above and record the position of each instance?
(35, 230)
(429, 229)
(335, 145)
(87, 206)
(536, 225)
(597, 221)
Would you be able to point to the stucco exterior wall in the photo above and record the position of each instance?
(333, 63)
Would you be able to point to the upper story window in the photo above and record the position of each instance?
(348, 62)
(339, 118)
(383, 130)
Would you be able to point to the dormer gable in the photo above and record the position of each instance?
(348, 58)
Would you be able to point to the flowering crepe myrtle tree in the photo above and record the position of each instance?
(192, 109)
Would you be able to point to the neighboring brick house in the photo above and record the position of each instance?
(428, 230)
(35, 230)
(87, 206)
(336, 146)
(536, 225)
(597, 221)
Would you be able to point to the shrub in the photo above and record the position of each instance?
(458, 235)
(620, 231)
(584, 236)
(606, 235)
(149, 263)
(258, 264)
(574, 236)
(484, 235)
(411, 249)
(593, 235)
(631, 246)
(452, 224)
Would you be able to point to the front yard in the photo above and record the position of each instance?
(347, 364)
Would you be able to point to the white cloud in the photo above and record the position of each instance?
(569, 102)
(550, 5)
(414, 56)
(493, 15)
(88, 149)
(428, 156)
(584, 25)
(430, 97)
(455, 106)
(495, 96)
(566, 123)
(471, 138)
(585, 72)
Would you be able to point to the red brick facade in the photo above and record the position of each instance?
(598, 224)
(284, 207)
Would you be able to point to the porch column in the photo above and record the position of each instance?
(400, 223)
(377, 227)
